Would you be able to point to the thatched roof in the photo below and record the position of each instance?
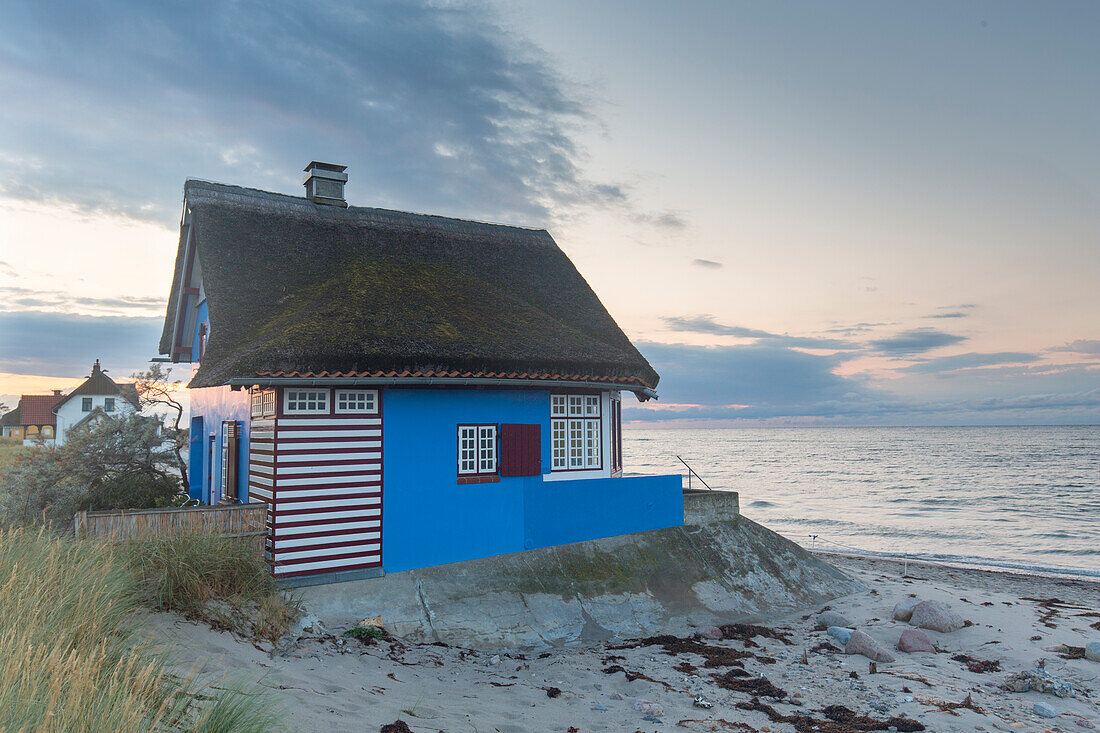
(297, 289)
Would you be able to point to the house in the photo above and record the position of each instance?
(401, 390)
(98, 395)
(47, 419)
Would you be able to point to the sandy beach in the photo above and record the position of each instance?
(325, 682)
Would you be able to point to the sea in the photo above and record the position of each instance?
(1015, 498)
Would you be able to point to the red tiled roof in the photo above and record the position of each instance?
(456, 375)
(37, 409)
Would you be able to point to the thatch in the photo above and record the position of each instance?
(298, 289)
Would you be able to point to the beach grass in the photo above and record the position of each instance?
(70, 659)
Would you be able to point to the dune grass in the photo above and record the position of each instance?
(9, 447)
(69, 659)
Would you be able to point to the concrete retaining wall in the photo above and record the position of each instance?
(661, 581)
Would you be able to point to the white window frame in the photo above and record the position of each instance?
(370, 401)
(288, 410)
(576, 432)
(87, 404)
(477, 450)
(108, 404)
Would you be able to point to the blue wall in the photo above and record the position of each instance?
(430, 519)
(212, 405)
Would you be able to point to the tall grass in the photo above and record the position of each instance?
(68, 661)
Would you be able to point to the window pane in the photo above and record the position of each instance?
(557, 445)
(576, 405)
(592, 444)
(557, 405)
(591, 405)
(576, 443)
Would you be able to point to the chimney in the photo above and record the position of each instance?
(95, 367)
(324, 183)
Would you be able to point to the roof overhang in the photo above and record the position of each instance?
(643, 393)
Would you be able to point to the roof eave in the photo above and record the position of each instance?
(641, 391)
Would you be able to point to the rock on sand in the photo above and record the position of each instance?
(915, 640)
(861, 643)
(1092, 651)
(903, 610)
(936, 616)
(832, 618)
(839, 633)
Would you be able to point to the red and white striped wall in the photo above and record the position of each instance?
(322, 477)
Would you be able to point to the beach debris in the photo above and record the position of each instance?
(1092, 651)
(716, 725)
(840, 720)
(649, 708)
(686, 668)
(1047, 711)
(601, 708)
(631, 676)
(915, 640)
(716, 656)
(375, 622)
(862, 643)
(903, 610)
(872, 668)
(710, 632)
(832, 618)
(979, 666)
(754, 686)
(1039, 680)
(936, 616)
(308, 623)
(746, 632)
(839, 633)
(397, 726)
(951, 707)
(1051, 607)
(552, 692)
(702, 702)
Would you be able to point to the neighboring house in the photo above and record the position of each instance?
(460, 380)
(48, 419)
(11, 425)
(98, 395)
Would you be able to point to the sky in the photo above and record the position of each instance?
(844, 213)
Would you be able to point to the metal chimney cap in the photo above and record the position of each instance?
(318, 165)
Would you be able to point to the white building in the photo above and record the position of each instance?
(98, 395)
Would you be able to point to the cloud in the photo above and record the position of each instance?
(56, 300)
(1089, 347)
(7, 269)
(947, 364)
(65, 345)
(707, 324)
(915, 341)
(950, 314)
(709, 264)
(433, 106)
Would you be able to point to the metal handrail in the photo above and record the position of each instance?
(691, 471)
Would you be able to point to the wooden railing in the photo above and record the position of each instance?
(238, 520)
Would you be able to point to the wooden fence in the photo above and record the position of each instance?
(237, 520)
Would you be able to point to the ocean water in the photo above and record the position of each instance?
(1022, 498)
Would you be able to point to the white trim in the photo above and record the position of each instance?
(317, 391)
(370, 401)
(362, 467)
(291, 422)
(285, 457)
(325, 564)
(291, 433)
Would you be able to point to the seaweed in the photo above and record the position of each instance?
(980, 666)
(839, 720)
(754, 686)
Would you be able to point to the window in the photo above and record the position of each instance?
(616, 435)
(306, 401)
(576, 432)
(356, 401)
(263, 403)
(108, 404)
(477, 450)
(86, 404)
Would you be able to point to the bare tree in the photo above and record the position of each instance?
(156, 390)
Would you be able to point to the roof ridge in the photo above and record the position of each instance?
(229, 194)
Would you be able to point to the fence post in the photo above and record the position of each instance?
(80, 520)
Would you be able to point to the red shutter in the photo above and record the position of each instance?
(520, 450)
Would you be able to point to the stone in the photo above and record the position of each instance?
(710, 632)
(702, 702)
(832, 618)
(1092, 651)
(1041, 708)
(649, 708)
(308, 623)
(1039, 680)
(839, 633)
(903, 610)
(915, 640)
(936, 616)
(861, 643)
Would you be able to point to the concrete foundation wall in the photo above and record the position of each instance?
(661, 581)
